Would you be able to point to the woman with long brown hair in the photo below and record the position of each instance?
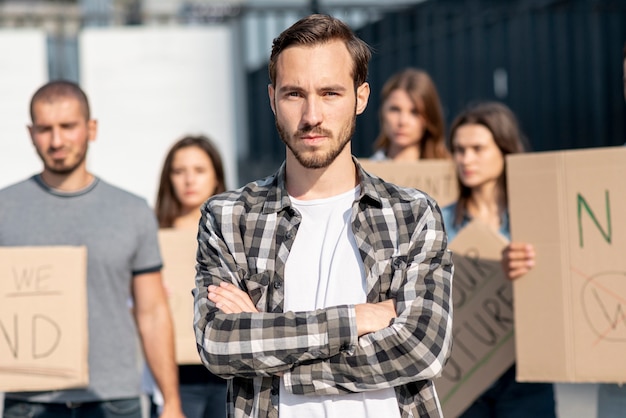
(192, 172)
(480, 138)
(411, 119)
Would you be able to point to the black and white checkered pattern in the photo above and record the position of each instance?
(245, 237)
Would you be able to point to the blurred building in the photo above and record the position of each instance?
(255, 23)
(556, 63)
(261, 20)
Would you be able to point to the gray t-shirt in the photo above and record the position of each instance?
(120, 232)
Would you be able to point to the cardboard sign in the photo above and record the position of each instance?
(483, 346)
(435, 177)
(178, 249)
(43, 320)
(570, 310)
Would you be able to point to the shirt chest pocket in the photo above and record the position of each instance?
(387, 277)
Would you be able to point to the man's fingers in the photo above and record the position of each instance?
(224, 304)
(390, 305)
(238, 296)
(230, 299)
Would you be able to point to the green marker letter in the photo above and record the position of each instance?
(582, 203)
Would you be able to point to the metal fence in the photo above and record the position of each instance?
(557, 64)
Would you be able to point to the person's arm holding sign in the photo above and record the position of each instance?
(518, 258)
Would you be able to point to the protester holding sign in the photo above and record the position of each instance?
(480, 138)
(68, 205)
(519, 259)
(411, 119)
(192, 172)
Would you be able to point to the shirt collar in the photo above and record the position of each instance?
(278, 198)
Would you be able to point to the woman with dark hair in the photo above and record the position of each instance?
(480, 138)
(411, 119)
(192, 172)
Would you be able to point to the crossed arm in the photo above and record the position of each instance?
(337, 349)
(370, 317)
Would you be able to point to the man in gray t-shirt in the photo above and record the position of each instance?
(67, 205)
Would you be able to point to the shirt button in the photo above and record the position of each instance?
(274, 392)
(289, 235)
(278, 284)
(397, 263)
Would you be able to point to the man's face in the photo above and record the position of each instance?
(60, 134)
(315, 103)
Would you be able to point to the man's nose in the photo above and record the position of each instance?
(57, 139)
(312, 112)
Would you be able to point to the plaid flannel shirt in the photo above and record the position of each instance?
(245, 237)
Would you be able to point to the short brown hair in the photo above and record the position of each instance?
(318, 29)
(55, 90)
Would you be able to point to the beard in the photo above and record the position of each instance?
(61, 168)
(317, 158)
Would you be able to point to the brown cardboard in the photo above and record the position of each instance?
(178, 249)
(435, 177)
(483, 345)
(43, 319)
(570, 315)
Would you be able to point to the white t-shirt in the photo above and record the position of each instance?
(324, 269)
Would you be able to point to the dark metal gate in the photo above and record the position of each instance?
(556, 63)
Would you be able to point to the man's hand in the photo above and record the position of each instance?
(517, 259)
(372, 317)
(230, 299)
(171, 411)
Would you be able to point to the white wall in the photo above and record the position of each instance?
(150, 86)
(23, 68)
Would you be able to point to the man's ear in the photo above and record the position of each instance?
(31, 133)
(92, 129)
(270, 93)
(362, 97)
